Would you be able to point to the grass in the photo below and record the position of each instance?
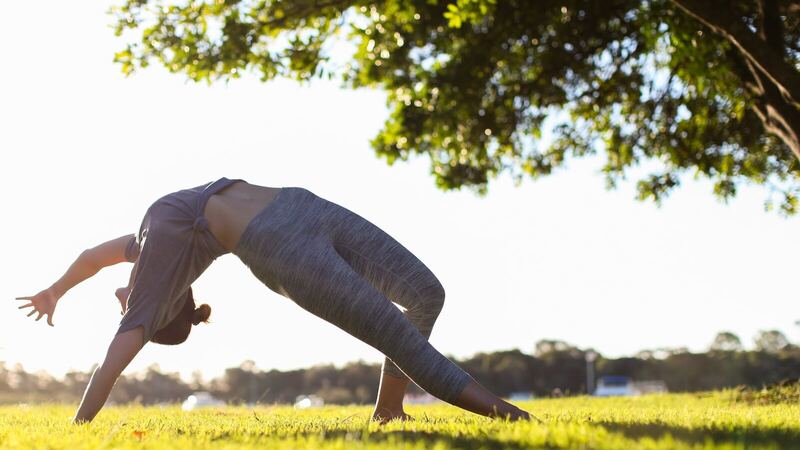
(719, 420)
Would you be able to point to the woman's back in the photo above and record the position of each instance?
(230, 210)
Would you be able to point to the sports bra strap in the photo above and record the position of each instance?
(217, 186)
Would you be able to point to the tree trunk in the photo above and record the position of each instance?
(774, 82)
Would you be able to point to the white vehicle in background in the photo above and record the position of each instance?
(200, 399)
(617, 385)
(614, 385)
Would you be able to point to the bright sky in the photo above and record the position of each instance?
(85, 151)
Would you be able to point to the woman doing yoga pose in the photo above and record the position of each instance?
(329, 260)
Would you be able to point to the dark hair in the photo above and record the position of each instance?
(178, 330)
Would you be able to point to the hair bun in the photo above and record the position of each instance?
(201, 314)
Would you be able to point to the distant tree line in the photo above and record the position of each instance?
(553, 366)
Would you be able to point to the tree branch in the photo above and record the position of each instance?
(777, 116)
(716, 16)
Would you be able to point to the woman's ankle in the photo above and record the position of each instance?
(391, 392)
(392, 408)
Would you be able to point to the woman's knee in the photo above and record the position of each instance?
(435, 301)
(425, 312)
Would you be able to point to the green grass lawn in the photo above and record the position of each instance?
(720, 420)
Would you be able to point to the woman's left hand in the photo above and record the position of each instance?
(43, 303)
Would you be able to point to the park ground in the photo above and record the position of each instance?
(715, 420)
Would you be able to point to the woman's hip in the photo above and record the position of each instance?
(288, 226)
(299, 227)
(296, 213)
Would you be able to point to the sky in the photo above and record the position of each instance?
(86, 150)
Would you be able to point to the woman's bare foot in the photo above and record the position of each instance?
(521, 414)
(384, 415)
(477, 399)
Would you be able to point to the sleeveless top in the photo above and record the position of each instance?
(172, 248)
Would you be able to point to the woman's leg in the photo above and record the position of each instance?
(290, 247)
(321, 282)
(406, 281)
(324, 284)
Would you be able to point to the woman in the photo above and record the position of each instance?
(324, 257)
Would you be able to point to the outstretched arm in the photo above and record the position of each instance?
(88, 263)
(123, 348)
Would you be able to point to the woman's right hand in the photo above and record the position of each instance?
(43, 303)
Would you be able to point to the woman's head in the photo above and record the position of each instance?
(178, 330)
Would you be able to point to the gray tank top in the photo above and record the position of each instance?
(172, 248)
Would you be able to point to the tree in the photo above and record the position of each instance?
(645, 354)
(725, 341)
(704, 86)
(709, 86)
(547, 347)
(772, 341)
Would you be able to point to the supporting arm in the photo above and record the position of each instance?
(123, 348)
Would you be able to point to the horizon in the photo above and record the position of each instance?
(658, 354)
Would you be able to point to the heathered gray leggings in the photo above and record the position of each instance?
(342, 268)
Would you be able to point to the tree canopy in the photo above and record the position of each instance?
(483, 87)
(771, 341)
(725, 341)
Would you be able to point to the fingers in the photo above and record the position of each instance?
(35, 309)
(41, 313)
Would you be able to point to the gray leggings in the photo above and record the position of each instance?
(342, 268)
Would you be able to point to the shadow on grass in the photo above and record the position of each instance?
(754, 437)
(719, 436)
(428, 438)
